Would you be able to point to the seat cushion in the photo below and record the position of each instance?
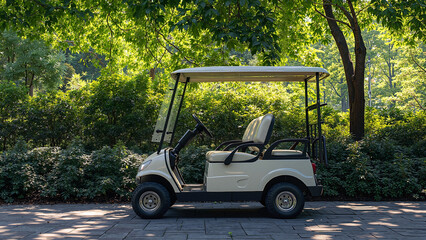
(285, 152)
(220, 156)
(259, 131)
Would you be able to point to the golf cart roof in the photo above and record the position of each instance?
(250, 74)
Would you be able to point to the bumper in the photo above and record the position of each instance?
(316, 191)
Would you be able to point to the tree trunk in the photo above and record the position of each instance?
(343, 99)
(31, 86)
(354, 75)
(152, 73)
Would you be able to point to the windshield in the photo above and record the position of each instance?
(175, 100)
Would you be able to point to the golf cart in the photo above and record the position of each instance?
(249, 169)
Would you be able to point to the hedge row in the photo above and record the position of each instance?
(72, 174)
(67, 174)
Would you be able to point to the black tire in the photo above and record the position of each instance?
(284, 200)
(150, 200)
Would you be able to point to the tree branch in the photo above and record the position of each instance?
(112, 37)
(345, 12)
(119, 27)
(155, 58)
(418, 65)
(335, 89)
(385, 72)
(332, 19)
(150, 52)
(353, 14)
(417, 101)
(93, 53)
(362, 9)
(175, 47)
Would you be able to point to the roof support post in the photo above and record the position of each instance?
(320, 139)
(307, 117)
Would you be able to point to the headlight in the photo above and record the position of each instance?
(144, 165)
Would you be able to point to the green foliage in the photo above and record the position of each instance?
(13, 100)
(119, 108)
(30, 62)
(388, 164)
(365, 177)
(17, 174)
(52, 119)
(192, 163)
(401, 15)
(67, 174)
(87, 65)
(227, 109)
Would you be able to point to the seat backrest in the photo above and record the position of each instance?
(259, 130)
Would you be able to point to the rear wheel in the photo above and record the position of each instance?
(151, 200)
(284, 200)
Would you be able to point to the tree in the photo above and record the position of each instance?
(30, 62)
(302, 23)
(412, 78)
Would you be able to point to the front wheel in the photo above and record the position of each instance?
(150, 200)
(284, 200)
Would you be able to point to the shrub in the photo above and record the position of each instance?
(112, 172)
(67, 174)
(119, 109)
(368, 172)
(13, 103)
(192, 162)
(17, 176)
(52, 120)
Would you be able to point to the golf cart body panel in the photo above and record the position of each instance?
(159, 165)
(254, 176)
(238, 170)
(238, 176)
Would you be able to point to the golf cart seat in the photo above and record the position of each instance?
(257, 134)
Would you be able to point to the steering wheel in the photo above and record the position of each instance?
(202, 127)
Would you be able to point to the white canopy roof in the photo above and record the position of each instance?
(250, 74)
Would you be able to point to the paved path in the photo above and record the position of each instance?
(320, 220)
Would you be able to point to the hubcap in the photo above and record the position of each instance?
(286, 201)
(149, 201)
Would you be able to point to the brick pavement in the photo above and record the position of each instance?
(320, 220)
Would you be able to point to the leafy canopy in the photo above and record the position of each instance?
(145, 34)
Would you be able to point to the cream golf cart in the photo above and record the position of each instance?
(249, 169)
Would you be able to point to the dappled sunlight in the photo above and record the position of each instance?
(383, 224)
(409, 205)
(319, 220)
(413, 211)
(322, 236)
(352, 224)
